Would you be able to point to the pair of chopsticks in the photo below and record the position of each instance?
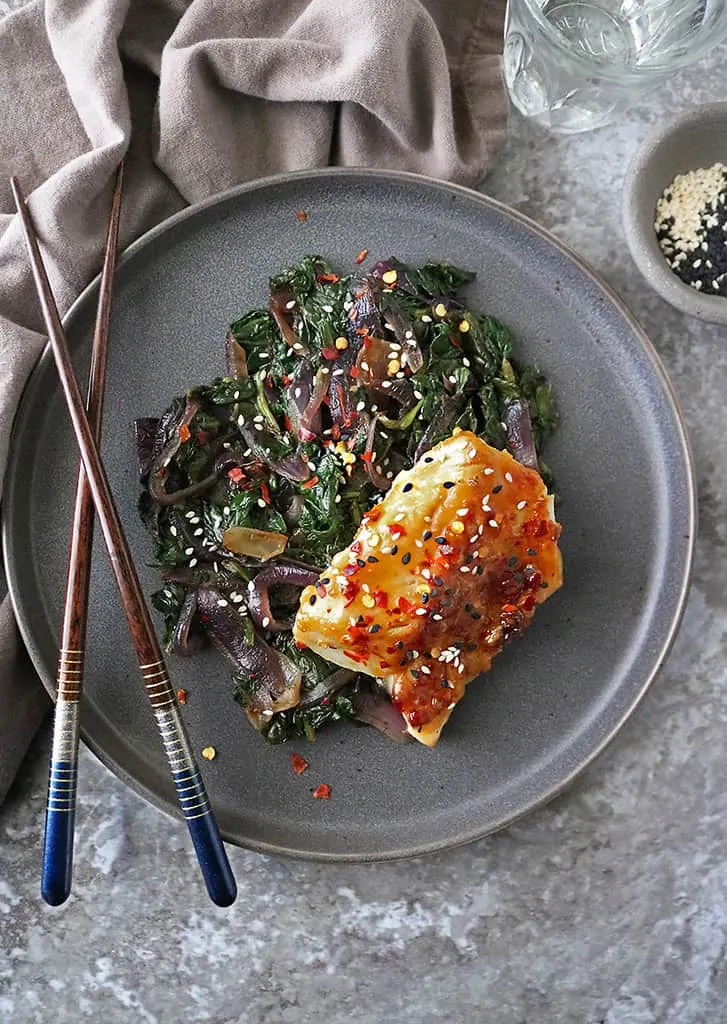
(93, 491)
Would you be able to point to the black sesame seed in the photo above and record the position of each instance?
(448, 484)
(446, 602)
(440, 540)
(375, 628)
(532, 551)
(407, 487)
(435, 592)
(410, 655)
(406, 558)
(471, 647)
(414, 672)
(427, 534)
(478, 570)
(402, 662)
(439, 581)
(468, 607)
(444, 684)
(497, 488)
(544, 585)
(395, 549)
(372, 559)
(312, 599)
(326, 579)
(512, 562)
(349, 570)
(425, 598)
(469, 558)
(360, 563)
(429, 459)
(476, 616)
(399, 644)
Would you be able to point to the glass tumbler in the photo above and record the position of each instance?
(574, 65)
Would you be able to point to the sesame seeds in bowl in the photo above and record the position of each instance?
(675, 211)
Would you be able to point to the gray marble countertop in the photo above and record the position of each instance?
(609, 906)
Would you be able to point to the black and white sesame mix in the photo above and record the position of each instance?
(691, 226)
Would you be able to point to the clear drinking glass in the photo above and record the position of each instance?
(573, 65)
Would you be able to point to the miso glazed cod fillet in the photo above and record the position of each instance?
(442, 572)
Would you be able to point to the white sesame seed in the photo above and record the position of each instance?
(173, 530)
(464, 568)
(189, 515)
(360, 407)
(508, 477)
(493, 523)
(226, 510)
(426, 670)
(199, 532)
(192, 563)
(261, 502)
(489, 471)
(327, 309)
(463, 512)
(521, 504)
(222, 603)
(189, 551)
(421, 611)
(385, 383)
(266, 622)
(426, 319)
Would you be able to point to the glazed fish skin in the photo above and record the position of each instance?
(446, 569)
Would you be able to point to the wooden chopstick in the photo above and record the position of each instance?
(60, 815)
(190, 788)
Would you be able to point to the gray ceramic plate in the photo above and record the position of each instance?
(555, 697)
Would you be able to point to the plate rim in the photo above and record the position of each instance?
(659, 371)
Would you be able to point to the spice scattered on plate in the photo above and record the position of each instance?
(302, 215)
(209, 753)
(362, 256)
(182, 696)
(322, 792)
(691, 226)
(298, 763)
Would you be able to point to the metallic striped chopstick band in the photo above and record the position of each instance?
(191, 791)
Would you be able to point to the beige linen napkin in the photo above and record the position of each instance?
(201, 96)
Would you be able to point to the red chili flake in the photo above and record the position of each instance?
(329, 353)
(342, 400)
(322, 792)
(374, 513)
(367, 457)
(455, 341)
(182, 696)
(509, 608)
(542, 529)
(328, 278)
(310, 483)
(287, 422)
(381, 598)
(286, 379)
(265, 493)
(202, 437)
(184, 432)
(406, 606)
(301, 215)
(349, 592)
(527, 603)
(354, 656)
(397, 530)
(298, 764)
(354, 372)
(361, 256)
(235, 474)
(356, 547)
(306, 435)
(321, 590)
(336, 432)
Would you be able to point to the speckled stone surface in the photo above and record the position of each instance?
(607, 907)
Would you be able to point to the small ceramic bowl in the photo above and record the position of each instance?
(697, 138)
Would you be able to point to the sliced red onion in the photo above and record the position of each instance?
(158, 470)
(450, 406)
(310, 421)
(283, 316)
(520, 433)
(149, 442)
(258, 598)
(374, 707)
(236, 357)
(274, 679)
(186, 640)
(297, 394)
(292, 467)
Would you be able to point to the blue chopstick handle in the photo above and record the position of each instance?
(196, 808)
(60, 812)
